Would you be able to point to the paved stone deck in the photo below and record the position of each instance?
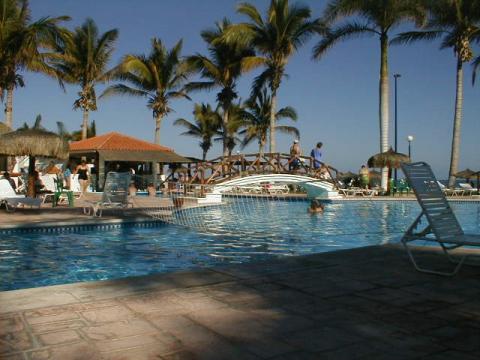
(366, 303)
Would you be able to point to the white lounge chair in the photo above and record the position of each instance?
(442, 225)
(450, 192)
(12, 200)
(115, 194)
(468, 189)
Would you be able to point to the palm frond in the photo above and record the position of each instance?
(341, 33)
(413, 36)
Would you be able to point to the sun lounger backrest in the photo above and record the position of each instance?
(432, 200)
(6, 189)
(116, 188)
(48, 181)
(466, 186)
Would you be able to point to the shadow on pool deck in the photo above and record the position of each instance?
(363, 303)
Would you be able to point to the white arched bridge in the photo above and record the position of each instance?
(316, 188)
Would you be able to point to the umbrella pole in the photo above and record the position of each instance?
(31, 177)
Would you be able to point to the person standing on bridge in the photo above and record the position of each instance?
(316, 156)
(295, 153)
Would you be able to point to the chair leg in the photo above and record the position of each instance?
(435, 272)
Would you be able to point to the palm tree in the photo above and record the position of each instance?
(24, 45)
(84, 59)
(457, 23)
(158, 76)
(229, 133)
(205, 126)
(277, 36)
(226, 63)
(380, 18)
(75, 135)
(257, 116)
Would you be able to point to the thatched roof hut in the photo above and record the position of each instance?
(33, 142)
(4, 128)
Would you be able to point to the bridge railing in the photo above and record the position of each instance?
(225, 168)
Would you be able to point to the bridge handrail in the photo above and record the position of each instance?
(224, 167)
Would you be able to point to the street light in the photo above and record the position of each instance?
(396, 76)
(410, 139)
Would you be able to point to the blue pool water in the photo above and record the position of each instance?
(284, 229)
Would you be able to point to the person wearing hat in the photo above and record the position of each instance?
(295, 153)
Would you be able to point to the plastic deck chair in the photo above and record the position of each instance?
(443, 226)
(11, 200)
(115, 194)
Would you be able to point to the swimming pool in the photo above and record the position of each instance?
(40, 259)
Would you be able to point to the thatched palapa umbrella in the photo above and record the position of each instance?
(389, 159)
(466, 174)
(33, 142)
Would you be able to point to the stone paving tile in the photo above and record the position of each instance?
(78, 351)
(10, 324)
(15, 341)
(321, 339)
(109, 314)
(18, 356)
(298, 355)
(59, 337)
(56, 326)
(458, 338)
(450, 355)
(163, 343)
(115, 330)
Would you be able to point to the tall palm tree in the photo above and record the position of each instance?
(379, 19)
(229, 133)
(277, 37)
(222, 68)
(206, 124)
(158, 76)
(24, 45)
(257, 116)
(457, 23)
(84, 58)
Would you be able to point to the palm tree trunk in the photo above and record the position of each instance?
(273, 111)
(158, 123)
(31, 177)
(261, 148)
(9, 107)
(384, 103)
(204, 155)
(85, 124)
(225, 131)
(457, 123)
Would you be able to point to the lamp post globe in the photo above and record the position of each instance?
(410, 139)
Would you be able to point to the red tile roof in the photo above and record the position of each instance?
(116, 141)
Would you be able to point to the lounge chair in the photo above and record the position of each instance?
(442, 225)
(450, 192)
(468, 189)
(115, 194)
(11, 200)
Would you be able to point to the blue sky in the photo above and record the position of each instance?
(336, 97)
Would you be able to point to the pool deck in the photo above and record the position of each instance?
(366, 303)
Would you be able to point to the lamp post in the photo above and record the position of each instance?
(410, 139)
(396, 76)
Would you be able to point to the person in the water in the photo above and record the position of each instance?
(316, 207)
